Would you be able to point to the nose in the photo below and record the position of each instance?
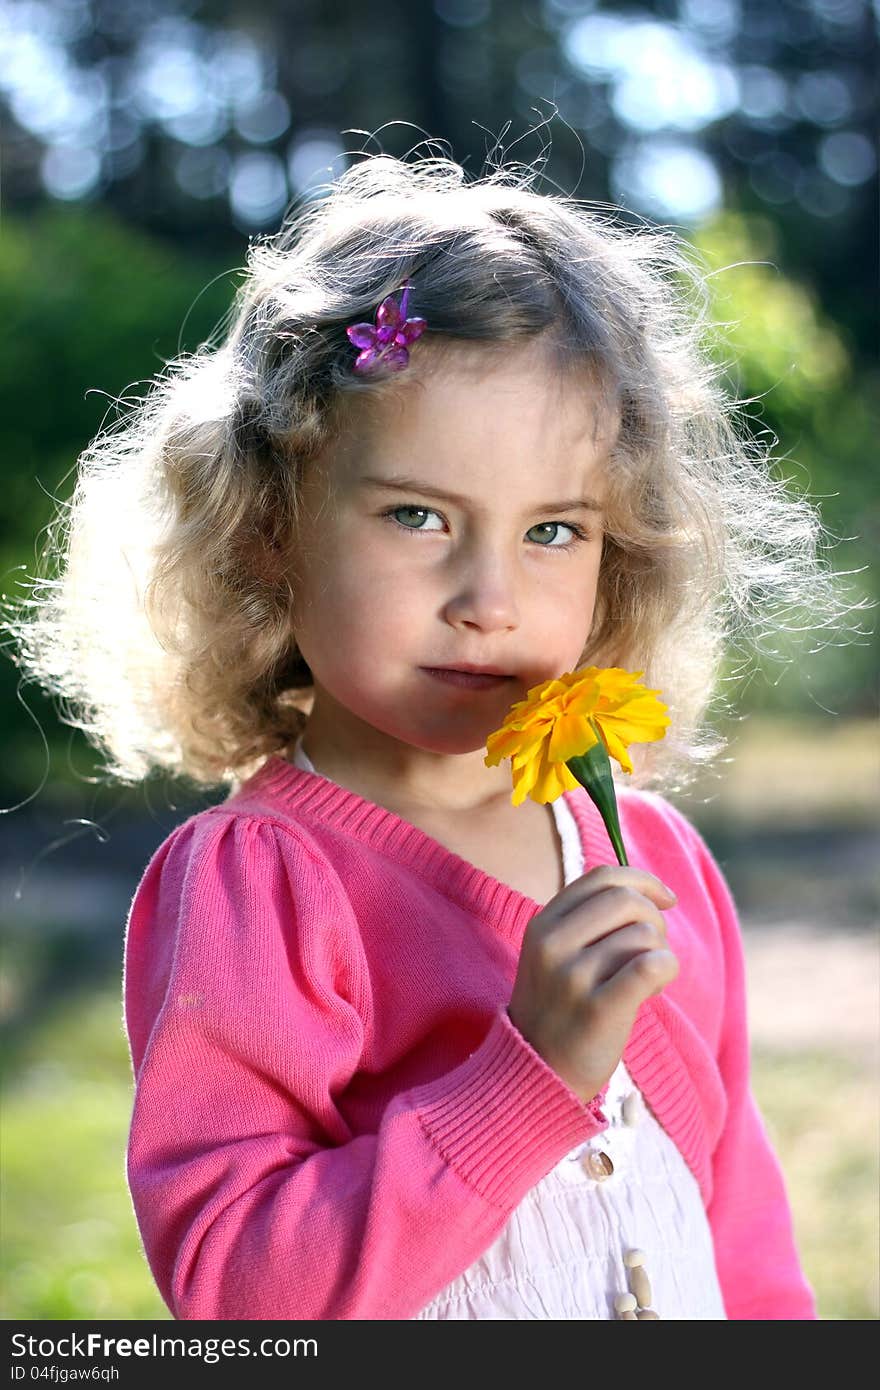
(483, 592)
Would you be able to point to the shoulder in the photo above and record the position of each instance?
(233, 885)
(236, 849)
(664, 839)
(651, 827)
(240, 909)
(648, 815)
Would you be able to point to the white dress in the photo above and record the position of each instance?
(561, 1254)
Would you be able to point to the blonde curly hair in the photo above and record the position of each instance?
(162, 616)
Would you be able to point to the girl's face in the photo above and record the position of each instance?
(398, 580)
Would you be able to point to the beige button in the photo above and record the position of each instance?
(624, 1303)
(631, 1109)
(640, 1285)
(598, 1166)
(633, 1258)
(647, 1315)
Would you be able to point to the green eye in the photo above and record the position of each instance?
(421, 511)
(546, 525)
(394, 515)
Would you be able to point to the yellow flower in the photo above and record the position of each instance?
(564, 718)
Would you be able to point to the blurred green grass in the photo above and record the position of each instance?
(70, 1246)
(71, 1250)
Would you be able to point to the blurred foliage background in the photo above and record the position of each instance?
(144, 146)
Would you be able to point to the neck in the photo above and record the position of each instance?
(394, 773)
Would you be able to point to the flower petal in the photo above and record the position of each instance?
(616, 747)
(549, 779)
(508, 743)
(548, 690)
(366, 359)
(395, 358)
(638, 720)
(571, 736)
(388, 314)
(363, 335)
(412, 329)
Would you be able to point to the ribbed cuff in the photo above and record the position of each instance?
(504, 1118)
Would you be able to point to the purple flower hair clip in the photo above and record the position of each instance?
(386, 343)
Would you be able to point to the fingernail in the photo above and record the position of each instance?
(670, 893)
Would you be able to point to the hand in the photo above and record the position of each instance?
(589, 958)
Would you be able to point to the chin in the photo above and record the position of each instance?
(457, 747)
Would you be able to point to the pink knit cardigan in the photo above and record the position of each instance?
(334, 1115)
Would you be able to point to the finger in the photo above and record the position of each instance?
(603, 877)
(647, 973)
(609, 955)
(599, 916)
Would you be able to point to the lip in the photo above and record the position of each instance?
(469, 677)
(468, 666)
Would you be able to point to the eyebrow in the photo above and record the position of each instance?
(401, 483)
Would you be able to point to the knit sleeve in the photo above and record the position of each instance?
(247, 1004)
(758, 1265)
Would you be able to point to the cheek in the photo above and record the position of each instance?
(376, 566)
(353, 590)
(568, 590)
(570, 612)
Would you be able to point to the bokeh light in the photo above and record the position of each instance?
(258, 189)
(666, 177)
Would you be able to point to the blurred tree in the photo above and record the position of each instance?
(91, 310)
(200, 120)
(810, 396)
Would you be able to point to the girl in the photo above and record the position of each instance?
(401, 1049)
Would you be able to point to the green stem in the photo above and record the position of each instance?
(593, 771)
